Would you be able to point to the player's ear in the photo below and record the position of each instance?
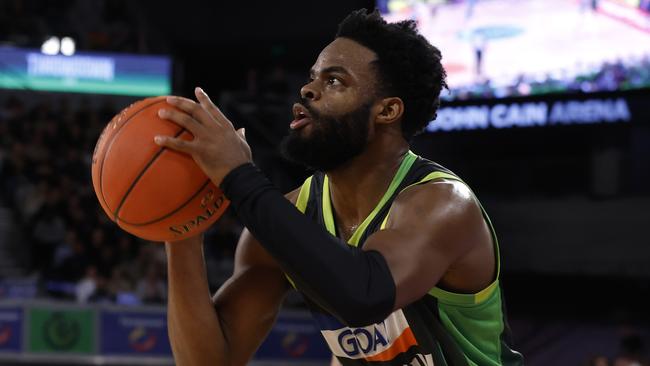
(390, 110)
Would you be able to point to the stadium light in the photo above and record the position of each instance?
(51, 46)
(67, 46)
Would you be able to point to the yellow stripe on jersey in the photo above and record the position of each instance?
(303, 196)
(328, 213)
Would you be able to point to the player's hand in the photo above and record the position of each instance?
(217, 148)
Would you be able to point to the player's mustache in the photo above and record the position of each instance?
(314, 114)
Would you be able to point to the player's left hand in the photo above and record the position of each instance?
(217, 148)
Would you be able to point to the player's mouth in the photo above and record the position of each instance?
(301, 117)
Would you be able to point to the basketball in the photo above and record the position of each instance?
(150, 191)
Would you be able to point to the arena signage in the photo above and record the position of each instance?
(70, 331)
(534, 113)
(134, 333)
(294, 339)
(94, 68)
(11, 324)
(85, 72)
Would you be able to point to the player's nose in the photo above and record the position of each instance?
(310, 91)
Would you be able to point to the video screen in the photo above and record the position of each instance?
(85, 72)
(505, 48)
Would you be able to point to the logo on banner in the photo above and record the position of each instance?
(134, 333)
(5, 333)
(295, 345)
(141, 339)
(61, 332)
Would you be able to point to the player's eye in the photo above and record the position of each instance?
(333, 81)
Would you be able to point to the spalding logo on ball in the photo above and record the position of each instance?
(150, 191)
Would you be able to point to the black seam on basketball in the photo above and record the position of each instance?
(137, 178)
(173, 211)
(108, 146)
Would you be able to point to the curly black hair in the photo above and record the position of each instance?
(407, 65)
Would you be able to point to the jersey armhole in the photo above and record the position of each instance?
(453, 297)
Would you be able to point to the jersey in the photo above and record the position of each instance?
(442, 328)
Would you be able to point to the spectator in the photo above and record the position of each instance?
(598, 361)
(48, 230)
(121, 287)
(71, 259)
(152, 288)
(87, 287)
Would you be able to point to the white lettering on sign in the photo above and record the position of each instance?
(88, 67)
(525, 114)
(142, 322)
(590, 111)
(531, 114)
(461, 118)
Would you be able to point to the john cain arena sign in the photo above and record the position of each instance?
(534, 113)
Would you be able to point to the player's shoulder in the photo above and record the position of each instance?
(438, 195)
(441, 188)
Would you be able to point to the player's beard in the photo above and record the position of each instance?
(332, 141)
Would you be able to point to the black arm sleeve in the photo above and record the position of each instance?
(354, 285)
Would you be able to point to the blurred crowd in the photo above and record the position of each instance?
(59, 235)
(632, 352)
(96, 25)
(610, 76)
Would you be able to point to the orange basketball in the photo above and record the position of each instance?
(150, 191)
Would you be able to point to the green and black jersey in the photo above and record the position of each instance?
(442, 328)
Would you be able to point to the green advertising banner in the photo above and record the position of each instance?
(61, 331)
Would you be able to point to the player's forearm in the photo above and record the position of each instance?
(354, 285)
(195, 332)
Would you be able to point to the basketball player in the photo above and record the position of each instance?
(393, 253)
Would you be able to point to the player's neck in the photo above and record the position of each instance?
(357, 187)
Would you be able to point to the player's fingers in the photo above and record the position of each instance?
(190, 107)
(180, 118)
(183, 103)
(207, 104)
(242, 133)
(175, 143)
